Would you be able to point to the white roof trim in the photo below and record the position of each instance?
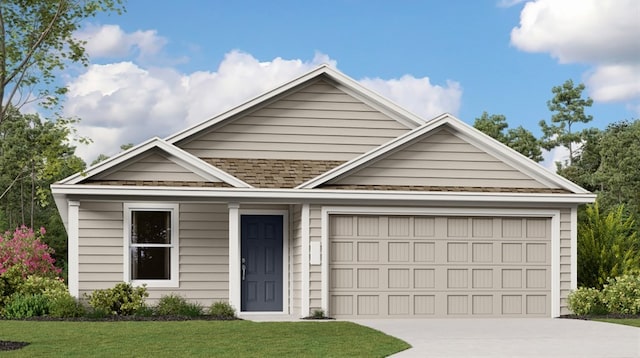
(474, 136)
(354, 88)
(321, 195)
(185, 159)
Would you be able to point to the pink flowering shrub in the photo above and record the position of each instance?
(24, 251)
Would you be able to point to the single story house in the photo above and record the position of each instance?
(322, 195)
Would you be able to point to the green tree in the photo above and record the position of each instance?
(608, 246)
(34, 153)
(608, 165)
(37, 40)
(569, 109)
(519, 138)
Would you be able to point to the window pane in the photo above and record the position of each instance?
(150, 263)
(151, 227)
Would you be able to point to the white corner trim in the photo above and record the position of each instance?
(73, 230)
(554, 215)
(304, 305)
(324, 273)
(174, 209)
(234, 256)
(555, 265)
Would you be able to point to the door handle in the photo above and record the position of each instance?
(244, 268)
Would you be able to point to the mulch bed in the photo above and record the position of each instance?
(10, 346)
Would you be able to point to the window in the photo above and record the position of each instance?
(151, 244)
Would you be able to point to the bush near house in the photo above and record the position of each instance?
(121, 300)
(620, 296)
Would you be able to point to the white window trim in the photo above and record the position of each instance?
(174, 281)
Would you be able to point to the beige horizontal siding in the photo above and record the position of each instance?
(204, 250)
(318, 122)
(152, 167)
(565, 259)
(296, 261)
(442, 159)
(100, 245)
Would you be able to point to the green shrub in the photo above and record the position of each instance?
(66, 306)
(21, 306)
(222, 310)
(51, 287)
(586, 301)
(176, 305)
(145, 311)
(10, 282)
(608, 245)
(123, 299)
(622, 294)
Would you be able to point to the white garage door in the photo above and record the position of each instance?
(426, 266)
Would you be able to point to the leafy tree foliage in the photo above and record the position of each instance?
(569, 108)
(608, 246)
(36, 41)
(608, 165)
(34, 154)
(519, 139)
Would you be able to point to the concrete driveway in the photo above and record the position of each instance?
(510, 337)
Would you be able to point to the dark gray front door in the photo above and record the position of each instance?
(261, 262)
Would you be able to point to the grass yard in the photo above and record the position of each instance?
(197, 338)
(635, 322)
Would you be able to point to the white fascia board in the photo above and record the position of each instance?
(373, 154)
(294, 195)
(185, 159)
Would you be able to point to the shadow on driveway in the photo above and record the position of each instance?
(510, 337)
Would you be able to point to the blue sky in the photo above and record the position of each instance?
(164, 65)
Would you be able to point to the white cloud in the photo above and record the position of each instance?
(110, 41)
(418, 95)
(615, 82)
(603, 34)
(125, 103)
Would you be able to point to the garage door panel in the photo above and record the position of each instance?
(425, 266)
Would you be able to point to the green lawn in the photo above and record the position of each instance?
(197, 338)
(626, 321)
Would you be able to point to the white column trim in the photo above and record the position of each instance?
(234, 256)
(574, 248)
(324, 257)
(555, 265)
(305, 215)
(73, 234)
